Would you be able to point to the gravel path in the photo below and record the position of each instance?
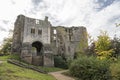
(60, 76)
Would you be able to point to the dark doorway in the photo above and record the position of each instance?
(39, 47)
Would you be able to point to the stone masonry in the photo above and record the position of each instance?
(37, 41)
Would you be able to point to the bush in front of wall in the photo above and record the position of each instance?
(90, 68)
(115, 69)
(60, 62)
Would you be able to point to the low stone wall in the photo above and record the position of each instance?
(48, 60)
(37, 60)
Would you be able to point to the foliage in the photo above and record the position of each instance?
(115, 44)
(91, 49)
(105, 54)
(102, 45)
(50, 69)
(103, 42)
(12, 72)
(60, 62)
(69, 61)
(117, 24)
(90, 39)
(90, 68)
(11, 56)
(115, 70)
(82, 45)
(6, 46)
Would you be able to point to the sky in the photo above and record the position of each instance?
(95, 15)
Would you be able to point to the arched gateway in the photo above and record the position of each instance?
(37, 53)
(37, 48)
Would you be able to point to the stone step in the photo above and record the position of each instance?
(21, 64)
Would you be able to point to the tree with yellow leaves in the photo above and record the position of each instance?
(102, 46)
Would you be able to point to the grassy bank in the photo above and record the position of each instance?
(12, 72)
(14, 56)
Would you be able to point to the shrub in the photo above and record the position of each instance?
(90, 68)
(60, 62)
(6, 46)
(115, 70)
(106, 54)
(115, 44)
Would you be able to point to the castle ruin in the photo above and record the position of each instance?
(37, 41)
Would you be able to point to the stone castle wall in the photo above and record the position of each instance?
(67, 40)
(46, 40)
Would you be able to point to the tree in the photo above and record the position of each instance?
(90, 50)
(117, 24)
(6, 46)
(115, 44)
(102, 46)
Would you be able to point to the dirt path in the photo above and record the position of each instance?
(1, 61)
(60, 76)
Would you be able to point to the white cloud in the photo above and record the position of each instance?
(102, 20)
(63, 12)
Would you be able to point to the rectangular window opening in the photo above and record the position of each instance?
(33, 31)
(37, 21)
(54, 31)
(54, 37)
(39, 32)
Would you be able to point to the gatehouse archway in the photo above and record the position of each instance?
(39, 47)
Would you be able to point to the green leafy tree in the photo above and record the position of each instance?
(91, 49)
(102, 46)
(115, 44)
(117, 24)
(6, 46)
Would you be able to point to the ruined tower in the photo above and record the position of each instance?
(37, 41)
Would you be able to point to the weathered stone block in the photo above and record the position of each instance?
(37, 60)
(48, 60)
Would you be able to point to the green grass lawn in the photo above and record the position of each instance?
(12, 72)
(50, 69)
(47, 69)
(14, 56)
(4, 58)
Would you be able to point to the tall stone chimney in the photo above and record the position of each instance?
(46, 18)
